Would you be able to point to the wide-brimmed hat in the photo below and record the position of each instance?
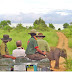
(40, 35)
(32, 31)
(6, 38)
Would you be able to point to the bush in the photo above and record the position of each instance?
(51, 26)
(68, 64)
(7, 27)
(59, 28)
(19, 28)
(41, 27)
(39, 21)
(65, 25)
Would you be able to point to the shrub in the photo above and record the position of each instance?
(68, 64)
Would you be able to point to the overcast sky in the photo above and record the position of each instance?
(33, 6)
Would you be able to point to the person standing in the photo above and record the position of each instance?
(33, 52)
(3, 48)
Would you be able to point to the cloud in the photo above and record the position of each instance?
(62, 13)
(55, 17)
(34, 6)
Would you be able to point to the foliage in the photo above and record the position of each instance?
(19, 27)
(65, 25)
(7, 27)
(40, 25)
(70, 28)
(51, 26)
(70, 42)
(68, 64)
(30, 27)
(51, 38)
(4, 23)
(70, 23)
(38, 22)
(59, 28)
(68, 31)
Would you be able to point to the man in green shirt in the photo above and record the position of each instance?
(3, 48)
(43, 45)
(33, 52)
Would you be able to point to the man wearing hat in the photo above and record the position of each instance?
(3, 49)
(43, 45)
(33, 52)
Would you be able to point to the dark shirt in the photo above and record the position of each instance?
(31, 46)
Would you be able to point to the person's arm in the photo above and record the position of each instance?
(44, 53)
(7, 56)
(37, 48)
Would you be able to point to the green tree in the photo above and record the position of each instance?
(38, 22)
(51, 26)
(59, 28)
(65, 25)
(5, 23)
(70, 28)
(7, 27)
(70, 23)
(8, 22)
(41, 27)
(30, 27)
(19, 27)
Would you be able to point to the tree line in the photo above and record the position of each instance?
(38, 24)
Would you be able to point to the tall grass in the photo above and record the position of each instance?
(68, 65)
(51, 38)
(70, 42)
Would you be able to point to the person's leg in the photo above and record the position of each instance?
(36, 56)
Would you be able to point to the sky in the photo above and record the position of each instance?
(33, 6)
(27, 11)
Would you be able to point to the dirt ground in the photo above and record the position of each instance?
(62, 43)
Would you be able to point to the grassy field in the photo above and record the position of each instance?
(70, 42)
(51, 38)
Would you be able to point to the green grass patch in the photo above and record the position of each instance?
(51, 38)
(70, 42)
(68, 65)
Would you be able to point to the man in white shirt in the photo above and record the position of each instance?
(19, 51)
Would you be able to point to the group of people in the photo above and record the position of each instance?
(36, 47)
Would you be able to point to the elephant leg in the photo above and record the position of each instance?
(50, 64)
(57, 63)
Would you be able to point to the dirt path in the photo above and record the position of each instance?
(62, 43)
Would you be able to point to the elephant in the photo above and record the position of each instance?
(55, 54)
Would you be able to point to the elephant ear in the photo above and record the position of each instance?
(63, 51)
